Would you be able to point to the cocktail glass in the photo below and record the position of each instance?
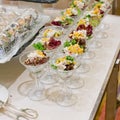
(37, 91)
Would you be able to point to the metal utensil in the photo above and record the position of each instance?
(18, 114)
(12, 111)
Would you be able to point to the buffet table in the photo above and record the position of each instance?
(96, 83)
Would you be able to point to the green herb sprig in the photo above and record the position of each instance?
(39, 46)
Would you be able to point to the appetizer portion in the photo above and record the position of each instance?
(78, 34)
(65, 63)
(81, 4)
(100, 8)
(73, 48)
(63, 21)
(71, 12)
(84, 24)
(35, 58)
(46, 43)
(52, 31)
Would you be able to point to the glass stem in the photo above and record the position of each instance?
(37, 80)
(49, 70)
(65, 91)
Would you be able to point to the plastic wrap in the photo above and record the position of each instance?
(18, 32)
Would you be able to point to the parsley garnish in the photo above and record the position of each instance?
(38, 46)
(69, 58)
(67, 44)
(79, 11)
(73, 42)
(53, 66)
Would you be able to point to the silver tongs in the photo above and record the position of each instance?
(18, 114)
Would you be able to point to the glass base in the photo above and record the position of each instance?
(48, 79)
(37, 94)
(88, 55)
(25, 87)
(104, 26)
(52, 93)
(84, 68)
(101, 35)
(66, 101)
(61, 95)
(95, 44)
(75, 82)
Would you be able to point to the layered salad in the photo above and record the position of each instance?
(100, 8)
(78, 34)
(36, 57)
(46, 43)
(84, 24)
(71, 47)
(62, 21)
(71, 12)
(64, 63)
(81, 4)
(52, 32)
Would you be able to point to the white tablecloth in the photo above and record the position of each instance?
(89, 95)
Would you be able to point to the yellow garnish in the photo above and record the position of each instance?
(46, 31)
(82, 21)
(96, 11)
(57, 34)
(98, 5)
(63, 18)
(60, 60)
(40, 53)
(76, 2)
(45, 39)
(75, 49)
(77, 35)
(68, 11)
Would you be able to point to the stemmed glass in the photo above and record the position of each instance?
(99, 27)
(48, 78)
(51, 46)
(88, 54)
(26, 86)
(71, 47)
(67, 78)
(99, 31)
(82, 34)
(37, 92)
(54, 34)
